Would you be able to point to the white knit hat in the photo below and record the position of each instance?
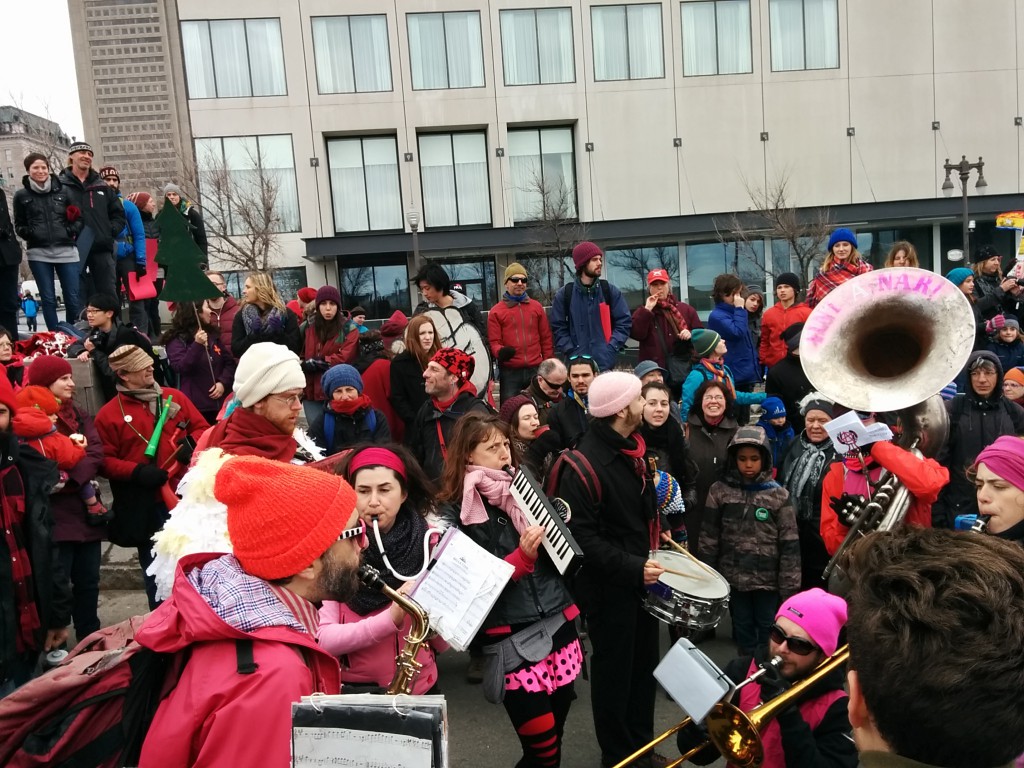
(265, 369)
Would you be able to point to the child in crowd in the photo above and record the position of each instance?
(1004, 340)
(34, 424)
(776, 425)
(750, 537)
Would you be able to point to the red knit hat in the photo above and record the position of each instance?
(584, 252)
(46, 369)
(307, 294)
(281, 517)
(456, 362)
(34, 396)
(7, 391)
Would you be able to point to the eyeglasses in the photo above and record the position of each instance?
(714, 399)
(93, 311)
(797, 645)
(517, 280)
(289, 400)
(360, 531)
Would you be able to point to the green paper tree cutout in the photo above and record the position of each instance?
(182, 260)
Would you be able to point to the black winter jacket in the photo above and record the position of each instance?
(568, 418)
(349, 430)
(615, 534)
(52, 590)
(536, 595)
(787, 380)
(668, 445)
(407, 392)
(101, 208)
(422, 436)
(10, 251)
(41, 218)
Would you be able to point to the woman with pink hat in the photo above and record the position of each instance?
(998, 475)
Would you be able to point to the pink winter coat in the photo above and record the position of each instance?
(370, 644)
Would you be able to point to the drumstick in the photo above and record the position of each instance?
(676, 573)
(679, 548)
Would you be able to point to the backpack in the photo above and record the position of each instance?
(582, 466)
(95, 708)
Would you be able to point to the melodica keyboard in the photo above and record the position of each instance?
(561, 547)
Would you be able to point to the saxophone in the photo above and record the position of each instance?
(406, 665)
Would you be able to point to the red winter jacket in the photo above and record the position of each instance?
(523, 326)
(216, 716)
(34, 427)
(312, 349)
(924, 478)
(377, 387)
(775, 320)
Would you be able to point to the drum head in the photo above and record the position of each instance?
(701, 582)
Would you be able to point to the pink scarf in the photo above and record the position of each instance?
(491, 484)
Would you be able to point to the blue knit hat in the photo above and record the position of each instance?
(340, 376)
(773, 408)
(958, 275)
(842, 235)
(669, 495)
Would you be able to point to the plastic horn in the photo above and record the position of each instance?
(154, 441)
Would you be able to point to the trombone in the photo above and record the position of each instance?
(737, 734)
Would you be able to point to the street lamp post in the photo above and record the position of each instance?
(963, 170)
(413, 217)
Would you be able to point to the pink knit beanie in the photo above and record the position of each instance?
(611, 392)
(817, 613)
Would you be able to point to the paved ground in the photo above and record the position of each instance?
(480, 732)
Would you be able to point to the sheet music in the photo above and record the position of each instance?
(461, 587)
(341, 748)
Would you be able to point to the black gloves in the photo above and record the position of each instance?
(140, 270)
(314, 365)
(505, 354)
(848, 507)
(185, 448)
(149, 476)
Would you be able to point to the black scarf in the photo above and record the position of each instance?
(404, 546)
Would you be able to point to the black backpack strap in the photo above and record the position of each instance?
(246, 662)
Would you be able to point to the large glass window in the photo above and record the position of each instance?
(248, 183)
(453, 170)
(627, 269)
(287, 280)
(536, 46)
(543, 174)
(446, 50)
(716, 37)
(804, 34)
(233, 57)
(628, 42)
(474, 277)
(706, 261)
(380, 289)
(352, 54)
(547, 274)
(364, 183)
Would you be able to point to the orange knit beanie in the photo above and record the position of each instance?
(281, 517)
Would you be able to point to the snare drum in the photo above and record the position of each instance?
(693, 602)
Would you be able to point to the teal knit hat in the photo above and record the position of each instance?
(958, 275)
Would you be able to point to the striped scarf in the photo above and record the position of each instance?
(719, 373)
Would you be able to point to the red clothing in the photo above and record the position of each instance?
(224, 319)
(924, 478)
(245, 433)
(647, 325)
(216, 716)
(313, 349)
(825, 282)
(377, 386)
(34, 427)
(124, 443)
(524, 326)
(775, 320)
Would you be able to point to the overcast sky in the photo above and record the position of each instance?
(38, 71)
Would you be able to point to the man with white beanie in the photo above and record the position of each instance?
(615, 521)
(268, 388)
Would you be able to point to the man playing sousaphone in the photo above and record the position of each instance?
(815, 732)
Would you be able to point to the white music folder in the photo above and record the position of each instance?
(693, 680)
(460, 586)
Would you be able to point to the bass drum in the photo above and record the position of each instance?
(455, 331)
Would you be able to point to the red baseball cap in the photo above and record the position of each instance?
(656, 275)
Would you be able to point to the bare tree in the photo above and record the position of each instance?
(640, 261)
(772, 216)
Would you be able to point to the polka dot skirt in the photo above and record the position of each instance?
(558, 668)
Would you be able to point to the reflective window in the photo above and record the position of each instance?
(627, 268)
(536, 46)
(716, 37)
(543, 174)
(546, 275)
(804, 34)
(445, 50)
(233, 57)
(706, 261)
(380, 289)
(475, 278)
(352, 54)
(287, 281)
(365, 191)
(628, 41)
(453, 171)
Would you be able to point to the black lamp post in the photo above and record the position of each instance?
(963, 170)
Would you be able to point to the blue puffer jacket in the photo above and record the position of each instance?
(731, 323)
(579, 332)
(133, 233)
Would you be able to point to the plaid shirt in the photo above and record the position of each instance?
(826, 282)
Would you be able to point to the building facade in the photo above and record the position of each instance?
(506, 129)
(132, 89)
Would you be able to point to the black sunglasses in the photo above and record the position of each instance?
(797, 645)
(549, 384)
(517, 280)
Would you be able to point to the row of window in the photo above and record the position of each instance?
(244, 57)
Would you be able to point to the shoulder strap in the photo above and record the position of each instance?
(567, 290)
(582, 466)
(606, 292)
(329, 428)
(244, 659)
(371, 420)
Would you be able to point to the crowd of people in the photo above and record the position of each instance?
(715, 442)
